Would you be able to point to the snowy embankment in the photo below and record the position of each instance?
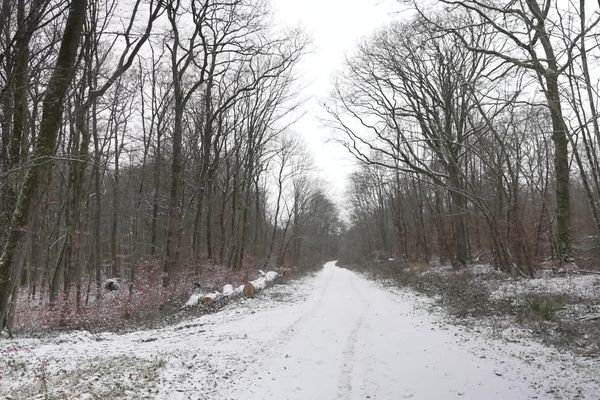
(334, 335)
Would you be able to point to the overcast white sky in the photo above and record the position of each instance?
(335, 27)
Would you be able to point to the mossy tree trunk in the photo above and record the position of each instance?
(53, 107)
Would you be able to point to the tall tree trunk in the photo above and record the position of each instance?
(277, 209)
(174, 222)
(155, 196)
(53, 107)
(97, 258)
(561, 170)
(114, 227)
(209, 207)
(458, 210)
(559, 135)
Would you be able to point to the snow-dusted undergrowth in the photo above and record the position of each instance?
(583, 286)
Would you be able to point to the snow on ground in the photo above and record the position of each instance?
(332, 336)
(580, 286)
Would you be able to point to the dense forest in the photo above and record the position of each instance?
(476, 124)
(311, 199)
(153, 140)
(149, 138)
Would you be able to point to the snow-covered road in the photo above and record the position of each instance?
(332, 336)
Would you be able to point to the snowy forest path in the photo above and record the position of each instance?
(334, 335)
(358, 340)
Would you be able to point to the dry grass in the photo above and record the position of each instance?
(147, 303)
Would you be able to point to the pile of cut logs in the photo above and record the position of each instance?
(248, 289)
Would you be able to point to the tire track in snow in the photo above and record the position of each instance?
(286, 334)
(348, 360)
(317, 347)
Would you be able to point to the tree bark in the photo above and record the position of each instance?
(561, 170)
(53, 107)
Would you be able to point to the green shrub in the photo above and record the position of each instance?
(543, 306)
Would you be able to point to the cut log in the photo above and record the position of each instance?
(210, 298)
(271, 276)
(228, 290)
(249, 289)
(193, 300)
(259, 284)
(239, 290)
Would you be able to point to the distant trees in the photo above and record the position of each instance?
(174, 118)
(442, 112)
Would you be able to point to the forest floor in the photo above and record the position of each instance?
(332, 335)
(150, 305)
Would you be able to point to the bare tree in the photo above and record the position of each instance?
(50, 124)
(526, 39)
